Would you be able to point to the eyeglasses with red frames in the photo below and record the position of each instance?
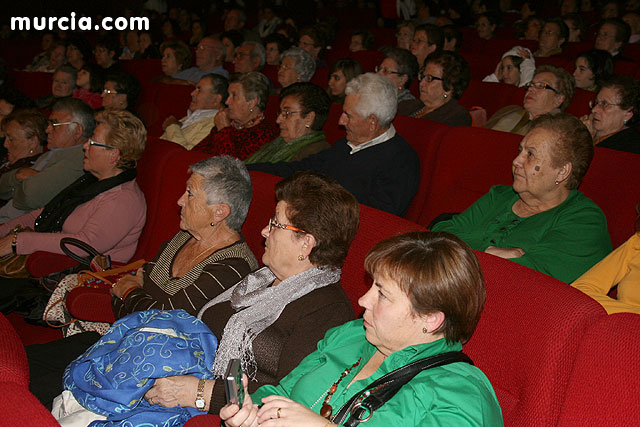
(274, 223)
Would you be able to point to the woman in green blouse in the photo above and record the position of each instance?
(426, 299)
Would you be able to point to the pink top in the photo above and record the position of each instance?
(111, 222)
(93, 99)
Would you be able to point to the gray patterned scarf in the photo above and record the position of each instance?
(257, 307)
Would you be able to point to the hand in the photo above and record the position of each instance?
(506, 253)
(587, 119)
(234, 416)
(127, 282)
(173, 391)
(5, 244)
(24, 173)
(498, 71)
(222, 119)
(171, 120)
(524, 53)
(282, 411)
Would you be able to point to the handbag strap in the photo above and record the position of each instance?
(385, 387)
(70, 241)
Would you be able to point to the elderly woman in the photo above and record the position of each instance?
(25, 137)
(404, 35)
(90, 82)
(542, 221)
(147, 48)
(296, 65)
(62, 86)
(312, 40)
(550, 91)
(445, 77)
(592, 67)
(120, 91)
(552, 38)
(304, 110)
(176, 56)
(486, 24)
(615, 114)
(515, 68)
(241, 129)
(425, 301)
(361, 40)
(401, 67)
(621, 269)
(78, 51)
(341, 73)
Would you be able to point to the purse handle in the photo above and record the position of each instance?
(90, 250)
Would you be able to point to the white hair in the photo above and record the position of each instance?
(377, 96)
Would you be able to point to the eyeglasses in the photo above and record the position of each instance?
(385, 70)
(99, 144)
(284, 67)
(540, 86)
(239, 54)
(109, 92)
(429, 77)
(604, 104)
(274, 223)
(287, 113)
(54, 123)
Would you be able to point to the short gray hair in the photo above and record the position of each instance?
(257, 50)
(226, 180)
(377, 95)
(305, 65)
(80, 113)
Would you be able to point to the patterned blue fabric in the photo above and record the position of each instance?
(112, 376)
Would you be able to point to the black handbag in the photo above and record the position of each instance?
(362, 405)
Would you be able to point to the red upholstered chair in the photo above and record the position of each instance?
(625, 67)
(580, 102)
(573, 49)
(527, 339)
(144, 69)
(368, 59)
(332, 130)
(273, 107)
(611, 183)
(604, 385)
(170, 100)
(13, 360)
(33, 84)
(203, 421)
(469, 162)
(18, 407)
(263, 207)
(320, 77)
(481, 64)
(488, 95)
(271, 71)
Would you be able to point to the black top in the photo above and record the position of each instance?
(625, 140)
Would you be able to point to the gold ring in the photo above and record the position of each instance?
(278, 413)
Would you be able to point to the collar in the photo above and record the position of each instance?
(65, 148)
(384, 137)
(196, 116)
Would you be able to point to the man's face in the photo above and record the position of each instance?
(232, 21)
(208, 53)
(242, 60)
(358, 127)
(61, 136)
(202, 97)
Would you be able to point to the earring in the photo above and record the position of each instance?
(251, 110)
(307, 126)
(212, 224)
(624, 122)
(557, 182)
(301, 258)
(425, 331)
(445, 96)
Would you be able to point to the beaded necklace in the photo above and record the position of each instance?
(326, 409)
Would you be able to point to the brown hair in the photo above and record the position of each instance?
(32, 121)
(438, 272)
(324, 209)
(180, 50)
(572, 143)
(565, 82)
(127, 133)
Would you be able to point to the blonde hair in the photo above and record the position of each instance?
(125, 132)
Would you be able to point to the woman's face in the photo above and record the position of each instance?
(17, 144)
(99, 161)
(607, 116)
(272, 53)
(309, 45)
(484, 27)
(282, 247)
(57, 57)
(195, 213)
(292, 124)
(549, 38)
(84, 79)
(73, 54)
(62, 85)
(389, 320)
(229, 49)
(533, 30)
(145, 41)
(510, 72)
(404, 37)
(542, 101)
(287, 73)
(431, 92)
(239, 107)
(533, 171)
(583, 74)
(167, 29)
(111, 98)
(169, 63)
(196, 29)
(389, 69)
(337, 83)
(356, 44)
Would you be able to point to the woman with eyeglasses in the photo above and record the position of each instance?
(304, 110)
(614, 114)
(541, 221)
(442, 81)
(400, 66)
(550, 91)
(121, 91)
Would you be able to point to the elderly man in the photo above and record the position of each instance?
(71, 124)
(374, 163)
(613, 36)
(209, 57)
(62, 86)
(552, 37)
(206, 99)
(249, 56)
(236, 20)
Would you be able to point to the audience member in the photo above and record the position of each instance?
(374, 163)
(576, 25)
(633, 21)
(41, 60)
(615, 114)
(198, 31)
(341, 72)
(296, 65)
(147, 47)
(121, 91)
(486, 24)
(206, 100)
(591, 67)
(78, 51)
(613, 36)
(452, 38)
(550, 91)
(55, 57)
(274, 45)
(445, 77)
(90, 83)
(542, 221)
(62, 86)
(107, 52)
(611, 9)
(404, 35)
(240, 129)
(71, 123)
(249, 56)
(304, 110)
(268, 23)
(515, 68)
(401, 68)
(209, 58)
(132, 45)
(313, 42)
(427, 39)
(531, 28)
(231, 40)
(169, 29)
(552, 38)
(361, 40)
(235, 19)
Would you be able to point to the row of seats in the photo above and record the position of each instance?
(552, 354)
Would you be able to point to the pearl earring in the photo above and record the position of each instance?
(251, 110)
(445, 96)
(307, 126)
(557, 182)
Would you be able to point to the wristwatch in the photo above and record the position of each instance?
(200, 403)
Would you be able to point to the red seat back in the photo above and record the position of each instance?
(332, 130)
(580, 102)
(263, 207)
(13, 360)
(490, 96)
(144, 69)
(163, 100)
(33, 84)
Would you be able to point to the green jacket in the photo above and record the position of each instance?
(562, 242)
(457, 394)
